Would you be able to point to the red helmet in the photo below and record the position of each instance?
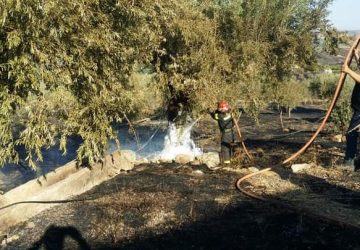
(223, 106)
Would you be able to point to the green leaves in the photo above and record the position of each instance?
(68, 62)
(74, 67)
(13, 39)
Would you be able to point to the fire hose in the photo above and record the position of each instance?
(242, 141)
(339, 87)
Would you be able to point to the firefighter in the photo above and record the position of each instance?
(226, 125)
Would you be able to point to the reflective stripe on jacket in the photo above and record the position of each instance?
(224, 120)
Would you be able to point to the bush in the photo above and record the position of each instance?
(289, 94)
(323, 85)
(342, 112)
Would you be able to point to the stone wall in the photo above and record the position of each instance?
(29, 199)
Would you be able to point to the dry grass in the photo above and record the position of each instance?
(117, 215)
(312, 194)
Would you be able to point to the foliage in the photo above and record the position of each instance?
(290, 94)
(333, 38)
(192, 63)
(76, 67)
(75, 52)
(342, 112)
(148, 98)
(323, 86)
(268, 42)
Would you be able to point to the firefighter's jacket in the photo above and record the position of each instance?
(225, 121)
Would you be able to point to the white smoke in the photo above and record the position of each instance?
(178, 142)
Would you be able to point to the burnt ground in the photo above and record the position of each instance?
(172, 206)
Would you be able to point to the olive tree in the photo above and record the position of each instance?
(64, 71)
(69, 67)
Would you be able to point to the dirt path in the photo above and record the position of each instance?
(173, 207)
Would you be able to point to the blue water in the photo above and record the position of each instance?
(148, 141)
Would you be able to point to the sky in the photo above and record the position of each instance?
(344, 14)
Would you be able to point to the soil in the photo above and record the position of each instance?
(172, 206)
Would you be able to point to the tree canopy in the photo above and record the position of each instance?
(67, 67)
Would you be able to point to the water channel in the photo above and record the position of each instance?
(157, 140)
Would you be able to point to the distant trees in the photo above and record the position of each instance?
(67, 67)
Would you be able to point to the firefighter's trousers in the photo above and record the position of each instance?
(227, 138)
